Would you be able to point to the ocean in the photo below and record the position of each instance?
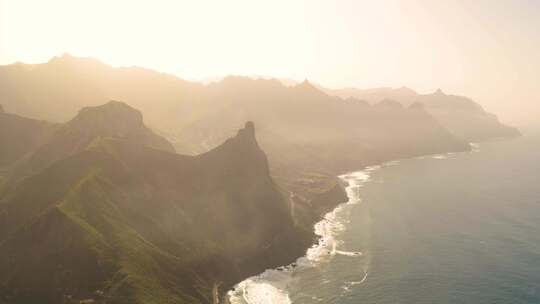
(453, 228)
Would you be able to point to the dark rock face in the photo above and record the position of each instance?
(122, 221)
(112, 120)
(57, 89)
(302, 129)
(116, 119)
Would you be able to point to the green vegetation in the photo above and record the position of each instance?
(118, 221)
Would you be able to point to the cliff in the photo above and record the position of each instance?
(308, 134)
(463, 117)
(120, 221)
(157, 226)
(111, 120)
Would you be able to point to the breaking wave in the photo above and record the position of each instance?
(272, 286)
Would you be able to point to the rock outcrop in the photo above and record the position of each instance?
(119, 221)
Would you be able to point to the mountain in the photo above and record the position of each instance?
(374, 95)
(19, 136)
(103, 208)
(462, 116)
(301, 125)
(118, 220)
(111, 120)
(308, 135)
(465, 118)
(56, 90)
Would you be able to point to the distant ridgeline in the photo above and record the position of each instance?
(460, 115)
(56, 90)
(101, 207)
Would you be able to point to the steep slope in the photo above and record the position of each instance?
(56, 90)
(307, 134)
(465, 118)
(174, 228)
(340, 134)
(19, 136)
(122, 222)
(460, 115)
(111, 120)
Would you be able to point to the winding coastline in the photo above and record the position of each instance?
(270, 286)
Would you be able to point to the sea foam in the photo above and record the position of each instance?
(272, 285)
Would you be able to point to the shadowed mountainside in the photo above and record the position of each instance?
(309, 136)
(56, 90)
(460, 115)
(20, 135)
(101, 207)
(113, 119)
(116, 219)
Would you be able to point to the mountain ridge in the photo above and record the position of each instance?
(113, 119)
(167, 226)
(101, 82)
(124, 222)
(462, 116)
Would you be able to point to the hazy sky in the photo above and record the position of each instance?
(485, 49)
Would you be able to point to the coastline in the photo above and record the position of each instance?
(324, 244)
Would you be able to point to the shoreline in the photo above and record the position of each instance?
(324, 246)
(320, 241)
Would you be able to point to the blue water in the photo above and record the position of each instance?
(463, 228)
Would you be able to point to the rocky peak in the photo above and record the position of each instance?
(241, 152)
(1, 109)
(309, 89)
(113, 118)
(248, 130)
(306, 85)
(246, 136)
(439, 92)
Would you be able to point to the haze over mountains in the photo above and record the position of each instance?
(124, 219)
(226, 180)
(459, 114)
(198, 117)
(56, 90)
